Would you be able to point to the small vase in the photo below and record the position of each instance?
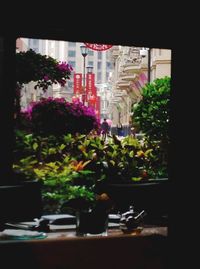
(91, 223)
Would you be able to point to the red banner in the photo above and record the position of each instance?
(77, 83)
(90, 86)
(98, 47)
(92, 101)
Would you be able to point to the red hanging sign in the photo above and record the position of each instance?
(92, 101)
(77, 83)
(90, 85)
(98, 47)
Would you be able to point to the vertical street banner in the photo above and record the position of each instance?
(77, 83)
(90, 85)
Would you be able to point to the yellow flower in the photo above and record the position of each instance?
(140, 153)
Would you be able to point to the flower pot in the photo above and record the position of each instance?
(149, 195)
(90, 223)
(21, 201)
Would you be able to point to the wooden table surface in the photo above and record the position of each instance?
(64, 250)
(71, 234)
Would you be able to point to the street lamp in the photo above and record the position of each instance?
(147, 52)
(84, 52)
(89, 69)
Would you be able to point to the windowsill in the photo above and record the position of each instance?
(68, 232)
(114, 232)
(63, 249)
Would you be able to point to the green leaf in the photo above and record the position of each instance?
(136, 178)
(52, 151)
(62, 146)
(131, 153)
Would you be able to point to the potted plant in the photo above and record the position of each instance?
(69, 186)
(151, 115)
(126, 165)
(138, 172)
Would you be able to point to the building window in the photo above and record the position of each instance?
(72, 63)
(72, 53)
(70, 83)
(98, 77)
(90, 52)
(69, 88)
(35, 42)
(107, 75)
(99, 65)
(91, 63)
(99, 55)
(108, 65)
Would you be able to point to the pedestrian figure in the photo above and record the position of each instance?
(105, 129)
(133, 132)
(120, 129)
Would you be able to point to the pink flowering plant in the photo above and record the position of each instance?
(45, 70)
(42, 69)
(56, 116)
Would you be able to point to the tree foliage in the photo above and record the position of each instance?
(152, 116)
(45, 70)
(152, 112)
(42, 69)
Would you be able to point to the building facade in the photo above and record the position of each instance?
(134, 67)
(120, 73)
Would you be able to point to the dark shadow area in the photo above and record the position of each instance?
(153, 197)
(184, 108)
(20, 202)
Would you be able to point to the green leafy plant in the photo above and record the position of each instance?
(152, 116)
(74, 170)
(126, 160)
(62, 182)
(63, 169)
